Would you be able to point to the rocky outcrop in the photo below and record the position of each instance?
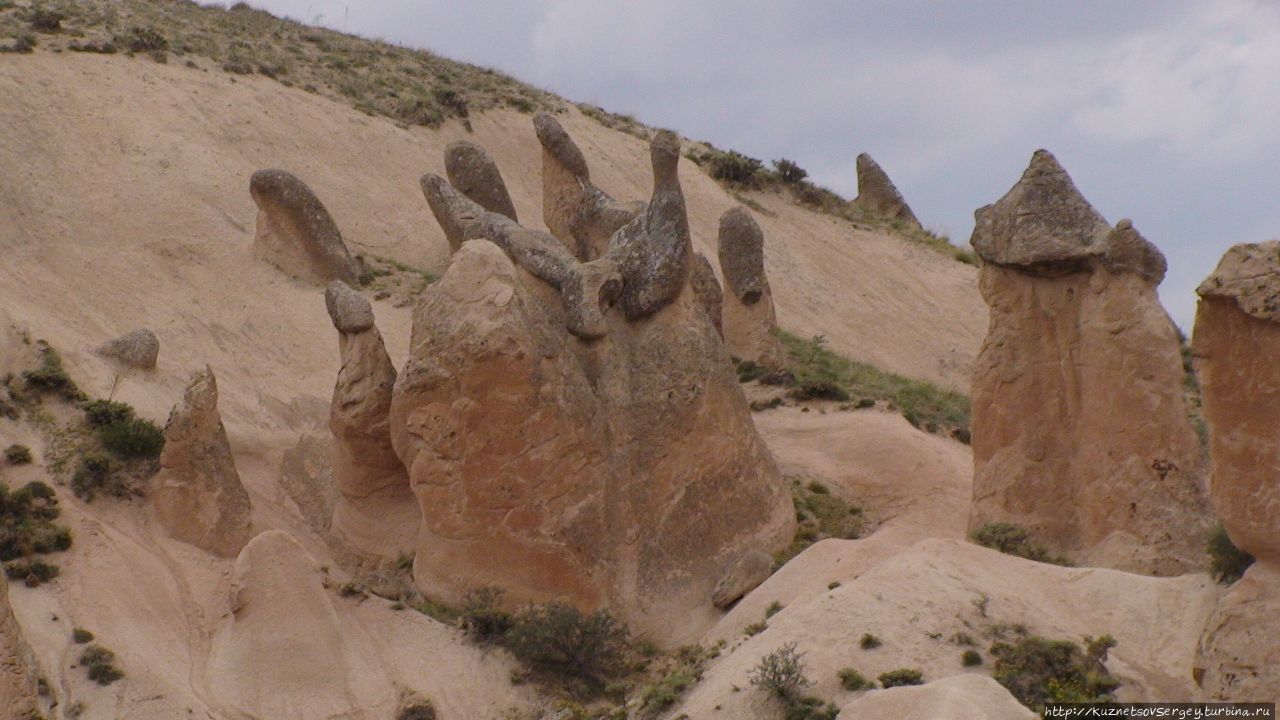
(474, 174)
(744, 575)
(295, 232)
(750, 324)
(625, 472)
(138, 349)
(198, 497)
(707, 289)
(1080, 430)
(17, 666)
(878, 196)
(282, 652)
(1237, 336)
(577, 212)
(375, 512)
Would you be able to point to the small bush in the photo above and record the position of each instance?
(93, 46)
(734, 168)
(970, 658)
(144, 39)
(1227, 562)
(45, 21)
(26, 522)
(810, 708)
(869, 642)
(482, 616)
(81, 636)
(133, 438)
(1013, 539)
(748, 371)
(819, 390)
(559, 639)
(100, 413)
(97, 475)
(781, 672)
(17, 455)
(774, 608)
(900, 677)
(1037, 670)
(33, 573)
(852, 680)
(51, 376)
(24, 44)
(101, 665)
(755, 628)
(789, 171)
(418, 711)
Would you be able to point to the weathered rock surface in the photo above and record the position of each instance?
(707, 289)
(198, 497)
(1080, 429)
(17, 666)
(1236, 341)
(1238, 657)
(376, 511)
(744, 575)
(750, 322)
(138, 349)
(959, 697)
(652, 250)
(474, 174)
(295, 232)
(577, 212)
(622, 473)
(282, 652)
(878, 195)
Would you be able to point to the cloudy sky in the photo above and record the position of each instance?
(1164, 111)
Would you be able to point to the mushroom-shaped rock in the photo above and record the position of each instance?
(652, 251)
(1080, 428)
(18, 688)
(198, 497)
(283, 651)
(295, 232)
(138, 349)
(376, 511)
(707, 289)
(878, 196)
(750, 323)
(473, 173)
(577, 212)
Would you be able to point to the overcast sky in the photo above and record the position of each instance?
(1164, 111)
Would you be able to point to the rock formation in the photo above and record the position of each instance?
(577, 212)
(1237, 336)
(138, 349)
(282, 653)
(625, 472)
(17, 666)
(878, 196)
(474, 174)
(959, 697)
(707, 289)
(750, 325)
(295, 232)
(375, 512)
(198, 497)
(1080, 430)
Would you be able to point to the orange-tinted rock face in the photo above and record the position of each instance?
(1238, 658)
(1080, 430)
(623, 473)
(17, 671)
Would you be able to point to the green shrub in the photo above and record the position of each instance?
(26, 522)
(755, 628)
(789, 171)
(1037, 670)
(810, 708)
(33, 573)
(1016, 540)
(17, 455)
(1227, 562)
(970, 658)
(869, 642)
(734, 168)
(100, 413)
(133, 438)
(81, 636)
(44, 20)
(51, 376)
(666, 692)
(774, 608)
(781, 672)
(819, 515)
(98, 474)
(100, 663)
(748, 371)
(418, 711)
(557, 638)
(23, 44)
(144, 39)
(819, 390)
(482, 616)
(900, 677)
(852, 680)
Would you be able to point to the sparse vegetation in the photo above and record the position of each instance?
(32, 573)
(818, 371)
(45, 20)
(133, 438)
(1037, 670)
(27, 528)
(819, 515)
(789, 172)
(483, 618)
(1016, 540)
(418, 711)
(901, 677)
(869, 642)
(774, 608)
(781, 672)
(970, 658)
(684, 673)
(755, 628)
(558, 639)
(100, 664)
(98, 475)
(51, 377)
(852, 680)
(17, 455)
(1227, 562)
(81, 636)
(734, 168)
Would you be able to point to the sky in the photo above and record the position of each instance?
(1163, 111)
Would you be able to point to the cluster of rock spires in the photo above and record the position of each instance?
(1080, 429)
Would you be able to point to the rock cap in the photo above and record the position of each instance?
(349, 310)
(1249, 274)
